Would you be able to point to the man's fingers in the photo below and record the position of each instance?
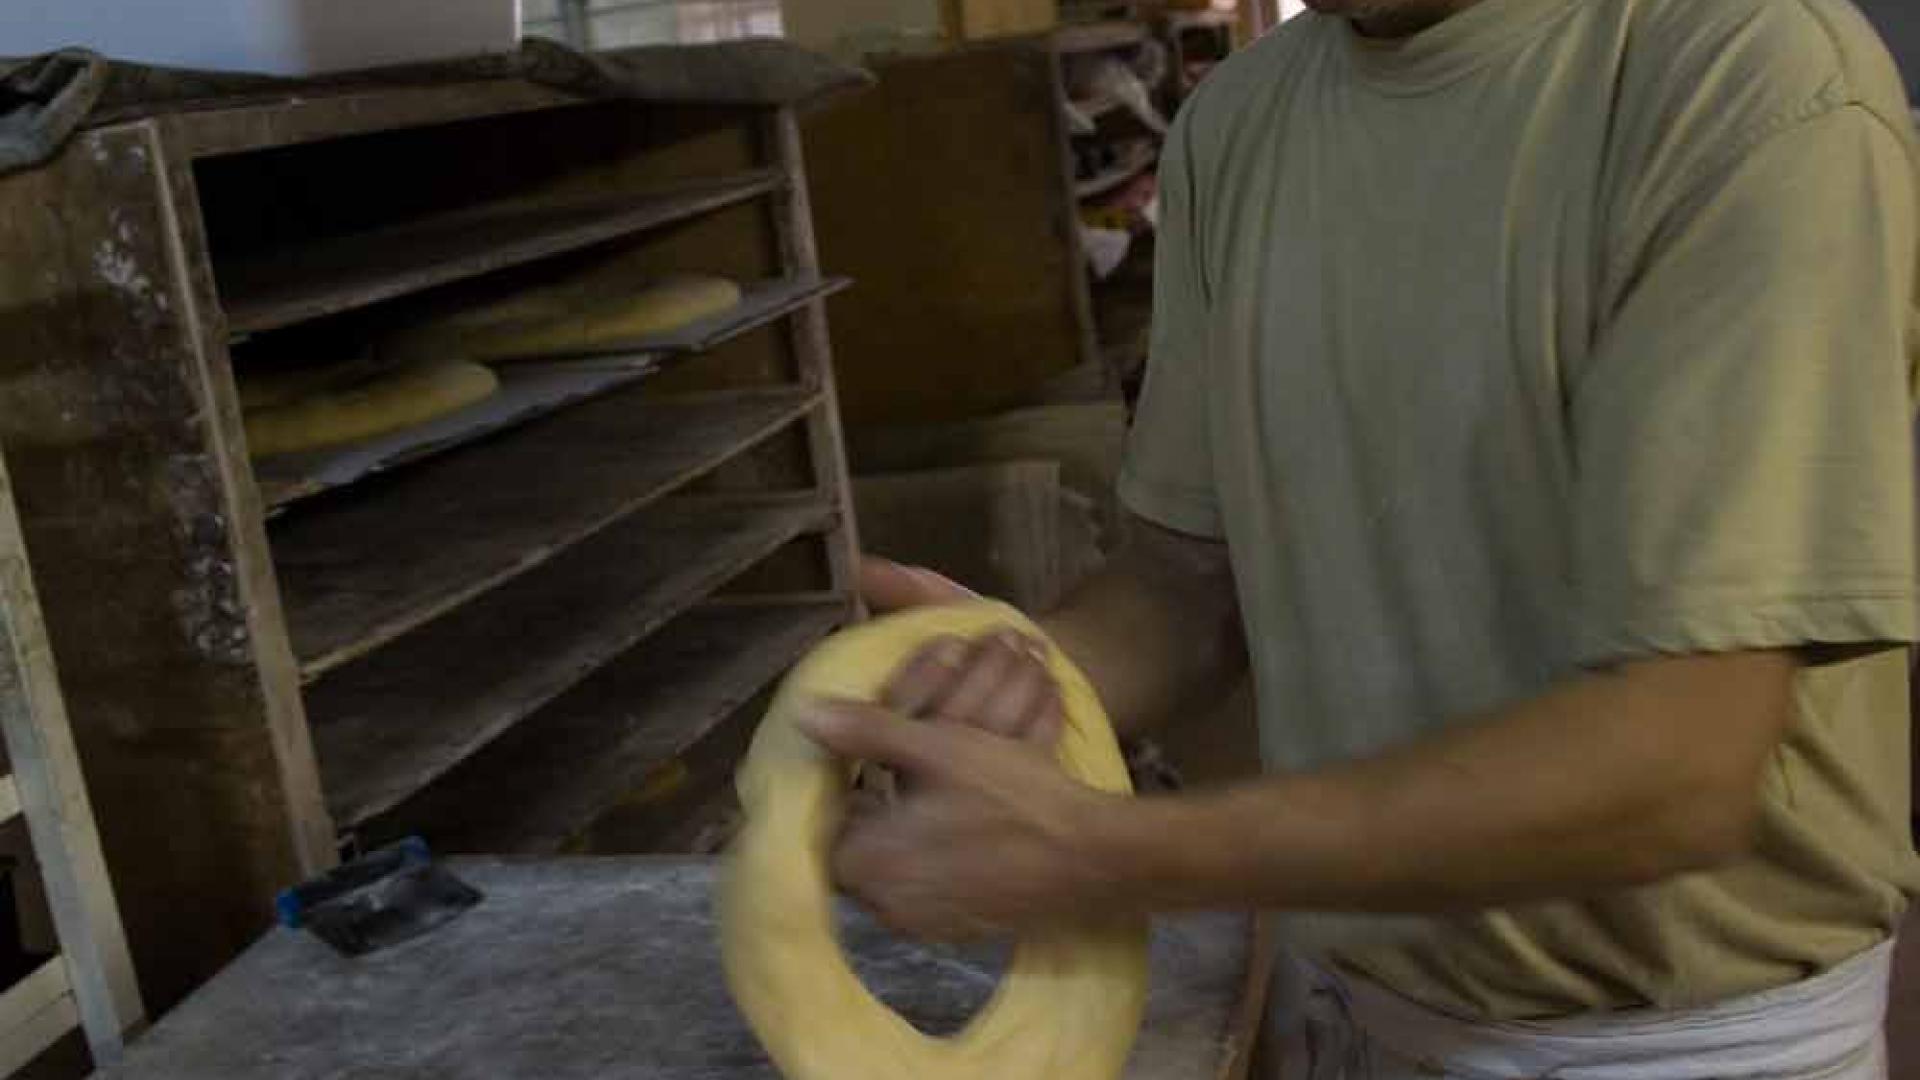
(927, 677)
(1045, 731)
(1004, 689)
(886, 585)
(983, 674)
(862, 732)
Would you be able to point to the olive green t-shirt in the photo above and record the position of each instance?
(1566, 332)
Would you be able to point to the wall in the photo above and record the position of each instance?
(619, 23)
(1899, 20)
(823, 23)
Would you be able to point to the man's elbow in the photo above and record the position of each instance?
(1720, 719)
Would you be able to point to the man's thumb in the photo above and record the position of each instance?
(889, 586)
(862, 732)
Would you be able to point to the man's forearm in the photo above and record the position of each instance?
(1607, 782)
(1157, 631)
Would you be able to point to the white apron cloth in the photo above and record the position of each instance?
(1331, 1026)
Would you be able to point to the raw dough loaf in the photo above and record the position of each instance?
(562, 321)
(1070, 1004)
(273, 387)
(398, 399)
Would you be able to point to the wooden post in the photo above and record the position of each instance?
(148, 573)
(812, 350)
(52, 796)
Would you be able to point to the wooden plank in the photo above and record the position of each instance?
(282, 717)
(285, 288)
(540, 784)
(389, 724)
(970, 301)
(707, 829)
(530, 389)
(1087, 439)
(1098, 36)
(975, 20)
(807, 337)
(95, 970)
(761, 303)
(390, 557)
(756, 73)
(280, 120)
(139, 554)
(20, 1045)
(527, 392)
(1178, 21)
(688, 804)
(30, 996)
(993, 528)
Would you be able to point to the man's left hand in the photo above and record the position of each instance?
(991, 837)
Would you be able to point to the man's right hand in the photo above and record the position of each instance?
(999, 682)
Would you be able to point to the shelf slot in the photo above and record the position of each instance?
(530, 389)
(359, 574)
(386, 726)
(1098, 36)
(283, 288)
(761, 303)
(35, 1012)
(549, 778)
(527, 392)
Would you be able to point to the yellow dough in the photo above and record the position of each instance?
(398, 399)
(1070, 1004)
(267, 389)
(559, 322)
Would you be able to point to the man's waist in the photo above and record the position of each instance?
(1802, 1027)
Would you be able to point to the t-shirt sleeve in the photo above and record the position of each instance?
(1167, 476)
(1742, 430)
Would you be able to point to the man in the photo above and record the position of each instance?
(1530, 392)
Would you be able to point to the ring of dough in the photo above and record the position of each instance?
(566, 320)
(1070, 1004)
(389, 402)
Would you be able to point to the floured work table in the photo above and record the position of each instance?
(604, 968)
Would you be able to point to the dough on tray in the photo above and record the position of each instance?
(393, 400)
(555, 321)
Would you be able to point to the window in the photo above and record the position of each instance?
(612, 24)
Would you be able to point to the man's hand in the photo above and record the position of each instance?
(991, 838)
(999, 683)
(886, 586)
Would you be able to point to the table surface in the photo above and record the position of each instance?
(597, 969)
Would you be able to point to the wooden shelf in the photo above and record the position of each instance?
(34, 1012)
(394, 555)
(543, 782)
(530, 389)
(707, 829)
(1136, 160)
(288, 287)
(1181, 21)
(389, 724)
(1098, 36)
(761, 302)
(527, 392)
